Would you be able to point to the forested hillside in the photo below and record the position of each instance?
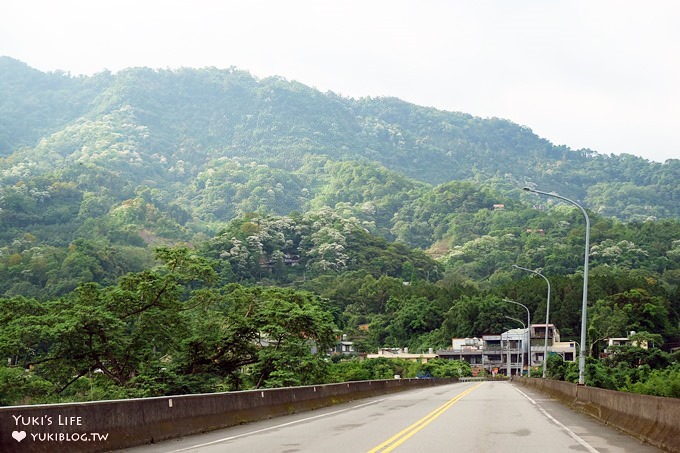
(150, 198)
(149, 123)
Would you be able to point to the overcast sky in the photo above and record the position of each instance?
(598, 74)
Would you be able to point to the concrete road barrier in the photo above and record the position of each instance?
(652, 419)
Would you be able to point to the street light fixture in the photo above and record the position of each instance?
(547, 315)
(524, 326)
(584, 305)
(528, 334)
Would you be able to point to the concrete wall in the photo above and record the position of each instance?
(80, 427)
(652, 419)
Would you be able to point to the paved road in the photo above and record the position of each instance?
(463, 417)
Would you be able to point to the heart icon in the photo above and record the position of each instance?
(19, 435)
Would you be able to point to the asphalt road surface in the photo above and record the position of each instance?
(463, 417)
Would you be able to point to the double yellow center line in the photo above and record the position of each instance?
(401, 437)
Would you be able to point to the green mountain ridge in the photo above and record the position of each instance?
(159, 119)
(205, 146)
(150, 157)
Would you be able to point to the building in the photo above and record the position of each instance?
(398, 353)
(538, 334)
(343, 346)
(624, 341)
(514, 347)
(468, 349)
(566, 349)
(507, 353)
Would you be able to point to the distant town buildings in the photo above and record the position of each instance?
(504, 353)
(397, 353)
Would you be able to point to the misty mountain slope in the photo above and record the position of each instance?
(164, 129)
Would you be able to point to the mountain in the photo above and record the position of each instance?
(159, 124)
(146, 157)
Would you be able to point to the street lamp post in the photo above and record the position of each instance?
(584, 305)
(528, 334)
(547, 315)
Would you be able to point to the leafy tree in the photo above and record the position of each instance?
(661, 382)
(273, 331)
(474, 316)
(440, 368)
(409, 318)
(19, 386)
(605, 321)
(645, 312)
(596, 374)
(635, 356)
(379, 368)
(113, 330)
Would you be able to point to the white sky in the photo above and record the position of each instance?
(598, 74)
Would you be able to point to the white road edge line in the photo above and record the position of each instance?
(250, 433)
(571, 433)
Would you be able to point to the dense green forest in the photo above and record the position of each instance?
(159, 228)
